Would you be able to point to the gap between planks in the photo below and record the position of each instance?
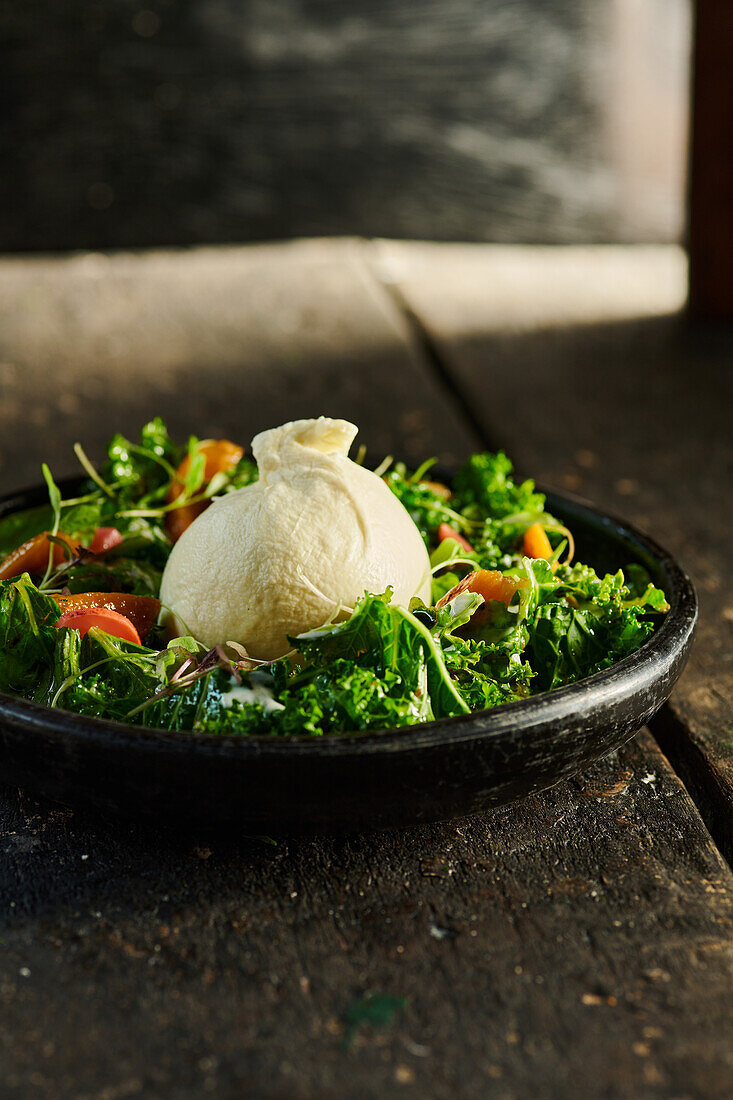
(699, 776)
(427, 347)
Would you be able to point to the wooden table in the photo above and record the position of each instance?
(578, 943)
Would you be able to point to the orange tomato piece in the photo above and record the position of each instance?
(32, 556)
(221, 456)
(111, 622)
(489, 583)
(438, 488)
(536, 543)
(445, 531)
(180, 520)
(141, 611)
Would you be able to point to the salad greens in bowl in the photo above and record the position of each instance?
(512, 614)
(525, 664)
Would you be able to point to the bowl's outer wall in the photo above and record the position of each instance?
(445, 769)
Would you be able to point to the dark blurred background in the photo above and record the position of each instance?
(174, 122)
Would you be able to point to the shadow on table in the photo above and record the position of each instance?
(58, 859)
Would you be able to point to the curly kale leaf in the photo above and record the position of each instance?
(28, 640)
(593, 623)
(485, 485)
(386, 638)
(426, 506)
(485, 492)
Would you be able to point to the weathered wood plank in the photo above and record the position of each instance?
(132, 125)
(579, 363)
(218, 341)
(578, 943)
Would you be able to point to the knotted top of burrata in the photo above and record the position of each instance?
(295, 549)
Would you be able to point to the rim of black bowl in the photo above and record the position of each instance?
(597, 692)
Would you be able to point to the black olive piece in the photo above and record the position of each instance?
(425, 617)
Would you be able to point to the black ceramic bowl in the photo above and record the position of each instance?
(429, 772)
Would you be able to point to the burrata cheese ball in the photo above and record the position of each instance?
(294, 550)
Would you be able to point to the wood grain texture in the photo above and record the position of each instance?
(580, 364)
(221, 342)
(130, 125)
(578, 943)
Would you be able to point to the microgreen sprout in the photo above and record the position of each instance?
(384, 465)
(54, 499)
(91, 471)
(421, 471)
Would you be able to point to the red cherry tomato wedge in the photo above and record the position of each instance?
(445, 531)
(141, 611)
(111, 622)
(105, 538)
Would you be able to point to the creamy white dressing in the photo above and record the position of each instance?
(258, 693)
